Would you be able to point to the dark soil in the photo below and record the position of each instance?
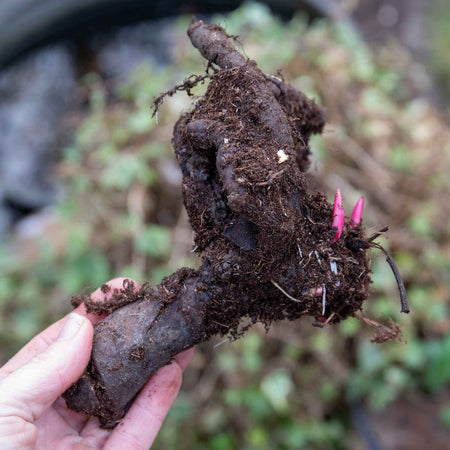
(243, 151)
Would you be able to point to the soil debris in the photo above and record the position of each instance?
(77, 300)
(128, 294)
(383, 333)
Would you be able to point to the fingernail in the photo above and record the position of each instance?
(70, 327)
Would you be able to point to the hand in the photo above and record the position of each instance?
(34, 415)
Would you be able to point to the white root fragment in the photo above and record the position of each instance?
(282, 157)
(300, 251)
(333, 267)
(329, 319)
(324, 296)
(284, 292)
(318, 259)
(222, 342)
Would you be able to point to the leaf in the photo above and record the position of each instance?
(276, 388)
(438, 371)
(153, 241)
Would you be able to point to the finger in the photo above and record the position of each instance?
(31, 389)
(141, 424)
(43, 340)
(38, 344)
(184, 358)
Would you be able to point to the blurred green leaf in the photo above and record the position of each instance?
(328, 390)
(350, 326)
(401, 158)
(370, 357)
(140, 122)
(276, 387)
(382, 277)
(257, 404)
(130, 271)
(438, 370)
(257, 438)
(252, 358)
(375, 101)
(227, 361)
(153, 241)
(159, 273)
(222, 441)
(318, 148)
(121, 171)
(415, 356)
(26, 323)
(321, 341)
(88, 131)
(214, 421)
(72, 154)
(88, 269)
(421, 224)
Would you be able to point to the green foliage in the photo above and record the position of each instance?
(276, 387)
(122, 170)
(153, 241)
(401, 159)
(437, 373)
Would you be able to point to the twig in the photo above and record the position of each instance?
(329, 319)
(188, 84)
(398, 279)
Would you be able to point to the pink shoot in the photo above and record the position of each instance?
(318, 291)
(355, 218)
(338, 215)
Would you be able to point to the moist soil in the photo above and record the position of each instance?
(265, 238)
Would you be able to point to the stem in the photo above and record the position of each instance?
(398, 279)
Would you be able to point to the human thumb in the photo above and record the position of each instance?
(30, 390)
